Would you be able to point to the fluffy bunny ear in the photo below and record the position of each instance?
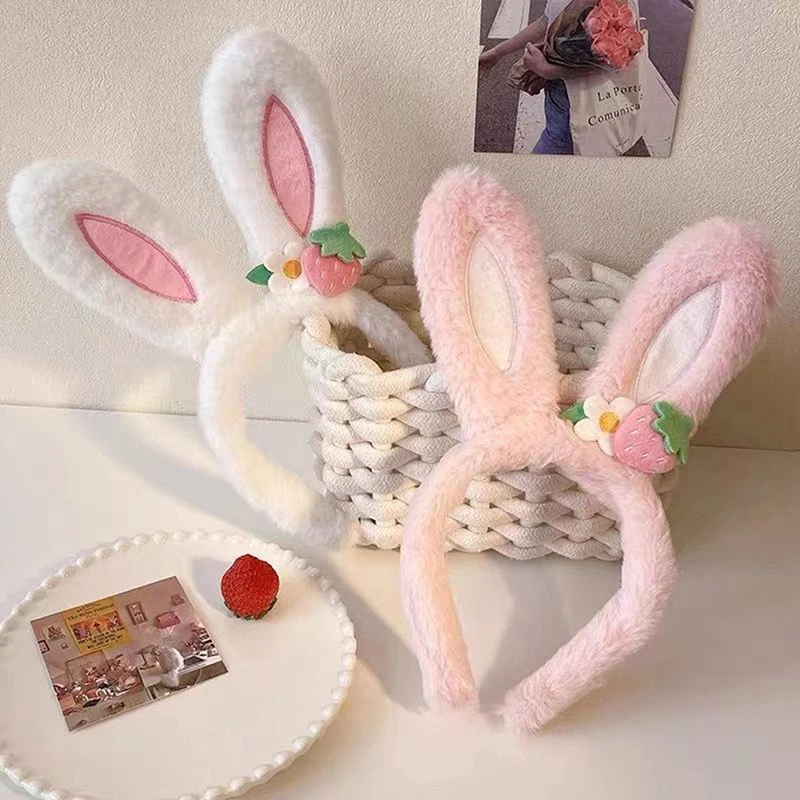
(692, 321)
(272, 141)
(109, 244)
(484, 300)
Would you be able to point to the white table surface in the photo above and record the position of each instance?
(711, 709)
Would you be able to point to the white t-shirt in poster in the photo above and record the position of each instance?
(554, 8)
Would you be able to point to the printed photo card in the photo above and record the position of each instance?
(115, 654)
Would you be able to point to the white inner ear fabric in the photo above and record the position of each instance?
(677, 344)
(490, 308)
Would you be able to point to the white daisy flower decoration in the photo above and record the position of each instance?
(287, 272)
(602, 419)
(282, 271)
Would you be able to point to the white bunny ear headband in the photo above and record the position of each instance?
(272, 143)
(690, 324)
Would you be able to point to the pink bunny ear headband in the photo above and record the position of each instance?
(690, 324)
(272, 143)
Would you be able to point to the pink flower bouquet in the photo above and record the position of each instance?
(601, 33)
(588, 33)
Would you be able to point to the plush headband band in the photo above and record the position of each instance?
(272, 143)
(690, 324)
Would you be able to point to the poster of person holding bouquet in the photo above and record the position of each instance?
(581, 77)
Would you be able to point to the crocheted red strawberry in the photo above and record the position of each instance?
(331, 263)
(250, 587)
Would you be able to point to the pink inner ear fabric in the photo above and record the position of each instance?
(136, 257)
(288, 164)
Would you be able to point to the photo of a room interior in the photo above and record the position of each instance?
(115, 654)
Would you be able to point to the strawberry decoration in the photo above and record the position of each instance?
(250, 587)
(331, 263)
(676, 428)
(650, 438)
(639, 445)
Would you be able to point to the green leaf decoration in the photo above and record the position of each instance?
(259, 275)
(676, 428)
(574, 413)
(336, 240)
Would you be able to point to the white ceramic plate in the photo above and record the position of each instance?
(288, 674)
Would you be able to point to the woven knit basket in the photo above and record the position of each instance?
(379, 431)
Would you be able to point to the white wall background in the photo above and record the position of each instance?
(118, 81)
